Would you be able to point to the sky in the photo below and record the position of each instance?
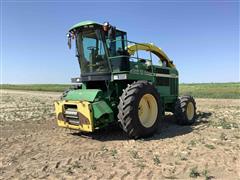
(201, 37)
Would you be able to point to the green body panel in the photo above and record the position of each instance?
(163, 90)
(100, 108)
(83, 95)
(135, 76)
(151, 77)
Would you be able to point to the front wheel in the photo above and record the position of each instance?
(140, 109)
(185, 110)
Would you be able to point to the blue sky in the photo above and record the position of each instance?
(202, 38)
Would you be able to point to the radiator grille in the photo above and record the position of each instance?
(71, 114)
(162, 81)
(173, 86)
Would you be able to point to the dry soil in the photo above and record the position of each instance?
(33, 147)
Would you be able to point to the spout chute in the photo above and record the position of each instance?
(152, 48)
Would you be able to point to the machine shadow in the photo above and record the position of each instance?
(167, 129)
(170, 128)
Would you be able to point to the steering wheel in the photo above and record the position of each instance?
(92, 48)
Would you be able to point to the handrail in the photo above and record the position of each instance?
(135, 47)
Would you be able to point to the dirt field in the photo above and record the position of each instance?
(33, 147)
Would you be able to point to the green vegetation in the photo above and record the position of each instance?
(224, 124)
(192, 143)
(200, 90)
(135, 154)
(37, 87)
(205, 173)
(212, 90)
(156, 160)
(210, 146)
(194, 173)
(114, 152)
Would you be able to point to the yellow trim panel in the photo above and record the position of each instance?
(83, 113)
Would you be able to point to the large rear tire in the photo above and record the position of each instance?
(185, 110)
(140, 109)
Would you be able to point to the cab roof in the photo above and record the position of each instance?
(86, 23)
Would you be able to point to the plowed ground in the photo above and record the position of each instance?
(33, 147)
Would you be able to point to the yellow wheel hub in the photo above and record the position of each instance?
(190, 111)
(147, 110)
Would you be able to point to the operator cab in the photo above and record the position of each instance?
(97, 54)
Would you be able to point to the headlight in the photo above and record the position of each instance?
(120, 77)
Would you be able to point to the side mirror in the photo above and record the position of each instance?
(69, 36)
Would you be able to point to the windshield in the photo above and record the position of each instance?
(91, 52)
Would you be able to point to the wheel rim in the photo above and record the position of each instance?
(147, 110)
(190, 111)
